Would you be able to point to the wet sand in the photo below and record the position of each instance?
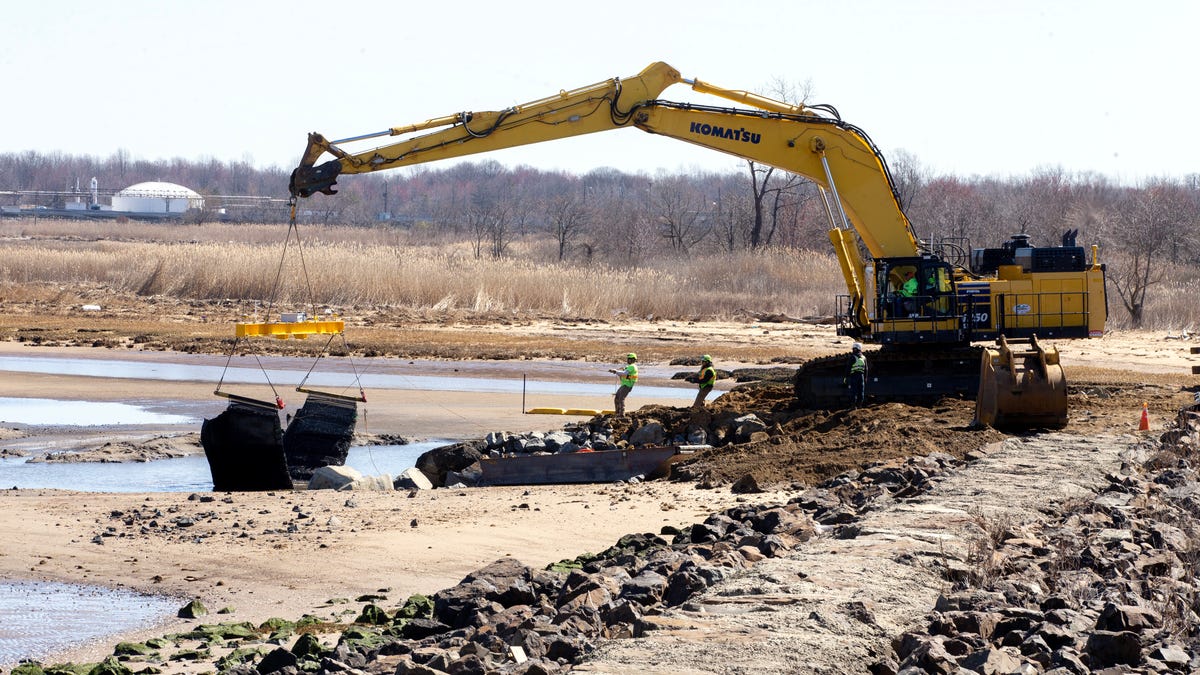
(302, 549)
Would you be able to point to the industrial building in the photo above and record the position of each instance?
(156, 197)
(152, 200)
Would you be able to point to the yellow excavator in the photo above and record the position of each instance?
(924, 304)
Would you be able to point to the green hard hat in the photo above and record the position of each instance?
(706, 358)
(631, 356)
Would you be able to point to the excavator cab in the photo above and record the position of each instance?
(915, 301)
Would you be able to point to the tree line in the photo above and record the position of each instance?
(619, 218)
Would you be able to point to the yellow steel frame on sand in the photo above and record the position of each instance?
(290, 329)
(583, 412)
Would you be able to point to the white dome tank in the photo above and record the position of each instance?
(156, 197)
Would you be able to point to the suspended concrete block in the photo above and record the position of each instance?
(244, 447)
(319, 435)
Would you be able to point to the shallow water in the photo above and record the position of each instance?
(181, 474)
(370, 376)
(38, 618)
(82, 413)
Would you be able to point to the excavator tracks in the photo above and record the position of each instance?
(1018, 384)
(920, 375)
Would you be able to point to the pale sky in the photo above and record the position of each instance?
(999, 88)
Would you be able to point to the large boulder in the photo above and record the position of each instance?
(746, 425)
(411, 479)
(1109, 648)
(468, 476)
(557, 439)
(333, 477)
(458, 606)
(510, 582)
(650, 433)
(457, 457)
(380, 483)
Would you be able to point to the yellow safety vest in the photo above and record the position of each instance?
(859, 365)
(708, 376)
(630, 377)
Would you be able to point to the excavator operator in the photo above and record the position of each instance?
(907, 305)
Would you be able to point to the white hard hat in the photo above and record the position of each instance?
(857, 346)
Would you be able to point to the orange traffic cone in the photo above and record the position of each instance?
(1144, 425)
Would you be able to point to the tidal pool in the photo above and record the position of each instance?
(180, 474)
(38, 618)
(43, 411)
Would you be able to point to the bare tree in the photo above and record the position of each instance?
(626, 232)
(486, 223)
(771, 190)
(500, 228)
(1141, 226)
(770, 187)
(566, 216)
(953, 208)
(908, 178)
(682, 215)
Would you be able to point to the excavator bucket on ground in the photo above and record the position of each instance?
(1021, 386)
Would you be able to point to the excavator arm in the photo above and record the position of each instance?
(860, 198)
(837, 156)
(598, 107)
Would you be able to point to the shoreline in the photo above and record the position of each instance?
(375, 544)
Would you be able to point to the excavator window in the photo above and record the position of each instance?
(937, 288)
(917, 291)
(901, 291)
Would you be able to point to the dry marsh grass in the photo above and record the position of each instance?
(346, 267)
(1172, 304)
(428, 270)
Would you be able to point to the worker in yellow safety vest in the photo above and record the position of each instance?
(707, 378)
(628, 377)
(856, 378)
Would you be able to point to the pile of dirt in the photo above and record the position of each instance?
(799, 446)
(814, 446)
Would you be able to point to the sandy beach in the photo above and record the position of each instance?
(241, 554)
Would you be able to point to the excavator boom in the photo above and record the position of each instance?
(810, 142)
(599, 107)
(790, 137)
